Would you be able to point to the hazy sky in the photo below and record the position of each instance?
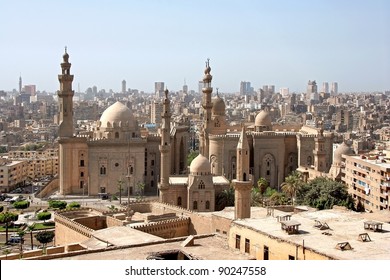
(285, 43)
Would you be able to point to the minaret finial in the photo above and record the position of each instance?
(217, 92)
(66, 49)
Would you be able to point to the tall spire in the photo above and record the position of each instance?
(207, 106)
(165, 149)
(65, 98)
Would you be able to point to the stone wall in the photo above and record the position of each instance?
(167, 229)
(94, 222)
(278, 249)
(68, 231)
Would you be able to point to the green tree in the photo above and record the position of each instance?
(7, 218)
(120, 188)
(6, 252)
(291, 185)
(23, 204)
(74, 204)
(21, 234)
(190, 157)
(224, 199)
(45, 237)
(140, 190)
(324, 193)
(31, 229)
(43, 216)
(262, 184)
(57, 204)
(256, 197)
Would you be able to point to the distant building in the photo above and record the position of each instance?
(334, 90)
(245, 88)
(13, 174)
(124, 86)
(155, 112)
(159, 89)
(30, 89)
(325, 87)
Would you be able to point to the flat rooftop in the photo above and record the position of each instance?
(206, 248)
(344, 226)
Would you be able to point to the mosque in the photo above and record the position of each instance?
(115, 152)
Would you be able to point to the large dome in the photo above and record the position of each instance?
(218, 106)
(118, 113)
(343, 149)
(263, 119)
(200, 166)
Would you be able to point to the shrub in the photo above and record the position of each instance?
(23, 204)
(57, 204)
(43, 216)
(74, 204)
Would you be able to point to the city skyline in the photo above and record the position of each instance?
(280, 43)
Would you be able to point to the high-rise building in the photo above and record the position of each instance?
(245, 88)
(284, 91)
(159, 89)
(124, 86)
(20, 84)
(155, 112)
(325, 87)
(94, 90)
(30, 89)
(185, 87)
(200, 86)
(312, 93)
(334, 90)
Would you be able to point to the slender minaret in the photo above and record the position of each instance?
(319, 151)
(243, 183)
(65, 99)
(165, 149)
(207, 106)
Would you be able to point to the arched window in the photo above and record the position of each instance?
(116, 134)
(195, 205)
(309, 160)
(207, 205)
(81, 174)
(201, 185)
(102, 170)
(179, 201)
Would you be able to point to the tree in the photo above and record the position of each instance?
(45, 237)
(7, 218)
(57, 204)
(262, 184)
(31, 229)
(6, 252)
(21, 234)
(23, 204)
(43, 216)
(140, 190)
(74, 204)
(292, 184)
(256, 197)
(324, 193)
(120, 188)
(224, 199)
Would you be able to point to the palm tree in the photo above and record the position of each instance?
(257, 197)
(21, 234)
(6, 218)
(30, 229)
(292, 184)
(262, 184)
(120, 188)
(225, 198)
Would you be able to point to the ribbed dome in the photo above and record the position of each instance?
(218, 106)
(343, 149)
(117, 112)
(200, 165)
(263, 119)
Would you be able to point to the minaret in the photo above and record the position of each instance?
(243, 183)
(207, 106)
(65, 99)
(319, 151)
(165, 149)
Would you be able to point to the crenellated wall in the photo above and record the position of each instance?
(166, 229)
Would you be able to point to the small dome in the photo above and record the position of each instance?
(218, 106)
(200, 165)
(263, 119)
(343, 149)
(117, 112)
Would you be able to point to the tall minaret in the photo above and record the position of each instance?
(65, 99)
(319, 151)
(165, 149)
(207, 106)
(243, 183)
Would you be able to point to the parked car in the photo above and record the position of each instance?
(15, 239)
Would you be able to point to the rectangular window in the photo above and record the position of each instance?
(238, 241)
(266, 253)
(81, 162)
(247, 245)
(291, 258)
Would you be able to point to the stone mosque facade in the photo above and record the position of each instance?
(94, 161)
